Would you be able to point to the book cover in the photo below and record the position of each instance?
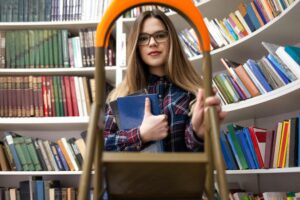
(129, 119)
(293, 143)
(245, 149)
(294, 52)
(228, 155)
(268, 150)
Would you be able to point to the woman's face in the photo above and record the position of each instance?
(153, 44)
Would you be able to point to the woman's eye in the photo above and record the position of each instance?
(143, 38)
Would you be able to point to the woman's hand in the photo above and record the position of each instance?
(201, 108)
(153, 127)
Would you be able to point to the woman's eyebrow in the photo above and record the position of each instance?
(153, 32)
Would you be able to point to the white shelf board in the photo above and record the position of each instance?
(44, 123)
(84, 71)
(264, 171)
(70, 25)
(281, 100)
(40, 173)
(282, 30)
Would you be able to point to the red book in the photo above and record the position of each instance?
(68, 96)
(44, 92)
(73, 96)
(39, 83)
(255, 140)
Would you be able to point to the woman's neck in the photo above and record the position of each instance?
(158, 71)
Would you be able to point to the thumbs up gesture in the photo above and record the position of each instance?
(153, 127)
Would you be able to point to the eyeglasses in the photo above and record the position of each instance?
(159, 37)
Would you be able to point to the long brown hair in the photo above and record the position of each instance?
(178, 69)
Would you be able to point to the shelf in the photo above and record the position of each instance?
(44, 123)
(73, 26)
(251, 47)
(84, 71)
(286, 97)
(264, 171)
(40, 173)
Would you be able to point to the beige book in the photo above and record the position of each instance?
(277, 144)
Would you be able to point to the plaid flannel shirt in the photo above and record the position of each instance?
(174, 102)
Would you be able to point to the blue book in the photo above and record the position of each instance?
(249, 22)
(230, 29)
(252, 16)
(260, 11)
(285, 79)
(130, 111)
(251, 147)
(62, 158)
(8, 139)
(39, 188)
(294, 52)
(228, 155)
(259, 75)
(274, 61)
(239, 164)
(245, 149)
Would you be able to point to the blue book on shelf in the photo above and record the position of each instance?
(249, 22)
(40, 195)
(285, 79)
(230, 29)
(252, 16)
(8, 139)
(239, 164)
(259, 75)
(260, 11)
(251, 147)
(245, 149)
(228, 155)
(273, 60)
(62, 158)
(294, 52)
(131, 113)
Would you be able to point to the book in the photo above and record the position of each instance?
(126, 119)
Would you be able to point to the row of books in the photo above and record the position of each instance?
(51, 10)
(45, 96)
(242, 81)
(257, 148)
(24, 153)
(242, 22)
(135, 12)
(50, 49)
(244, 195)
(38, 188)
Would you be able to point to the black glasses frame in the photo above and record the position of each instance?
(155, 37)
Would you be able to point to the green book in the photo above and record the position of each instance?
(21, 154)
(50, 49)
(37, 62)
(60, 96)
(7, 49)
(41, 48)
(33, 154)
(20, 11)
(26, 50)
(46, 48)
(56, 96)
(60, 49)
(13, 49)
(231, 129)
(31, 48)
(65, 48)
(223, 89)
(55, 49)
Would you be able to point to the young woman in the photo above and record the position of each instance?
(157, 63)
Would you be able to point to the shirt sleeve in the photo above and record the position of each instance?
(119, 140)
(192, 141)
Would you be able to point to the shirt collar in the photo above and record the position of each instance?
(152, 79)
